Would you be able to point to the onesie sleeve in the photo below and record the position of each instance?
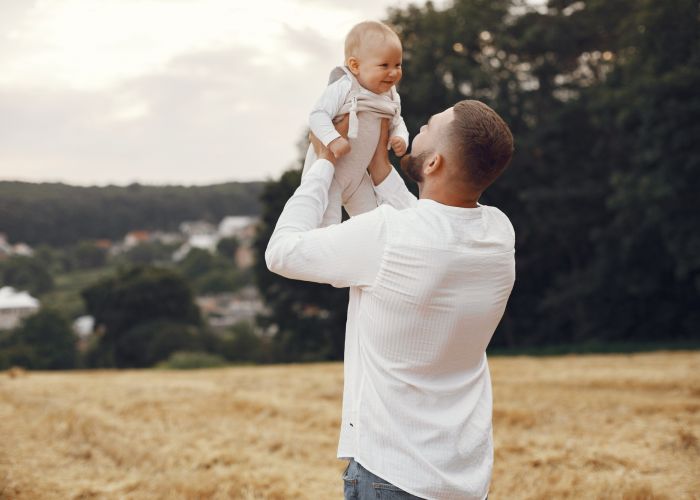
(326, 108)
(397, 127)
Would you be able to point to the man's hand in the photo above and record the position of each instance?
(327, 153)
(398, 145)
(379, 166)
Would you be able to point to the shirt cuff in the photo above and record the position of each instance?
(323, 169)
(391, 184)
(326, 139)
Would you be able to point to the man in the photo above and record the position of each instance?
(429, 280)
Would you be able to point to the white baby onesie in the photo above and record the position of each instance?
(351, 186)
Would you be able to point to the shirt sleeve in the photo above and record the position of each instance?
(392, 191)
(347, 254)
(326, 108)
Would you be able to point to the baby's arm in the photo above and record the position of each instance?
(322, 114)
(398, 133)
(398, 136)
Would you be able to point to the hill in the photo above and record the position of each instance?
(583, 427)
(60, 214)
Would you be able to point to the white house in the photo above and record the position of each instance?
(190, 228)
(23, 249)
(83, 326)
(14, 306)
(235, 225)
(7, 249)
(206, 242)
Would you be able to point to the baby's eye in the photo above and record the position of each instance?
(384, 65)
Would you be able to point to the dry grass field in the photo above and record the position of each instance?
(578, 427)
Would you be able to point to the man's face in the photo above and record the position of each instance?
(427, 142)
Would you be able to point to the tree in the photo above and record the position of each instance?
(212, 273)
(227, 247)
(44, 341)
(133, 298)
(242, 344)
(196, 263)
(26, 273)
(87, 255)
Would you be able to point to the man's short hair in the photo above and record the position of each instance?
(482, 142)
(362, 32)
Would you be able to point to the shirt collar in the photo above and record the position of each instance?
(464, 213)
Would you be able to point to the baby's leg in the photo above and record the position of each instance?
(333, 214)
(363, 199)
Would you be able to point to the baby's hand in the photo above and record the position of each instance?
(398, 145)
(339, 147)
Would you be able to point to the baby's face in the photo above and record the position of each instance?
(379, 65)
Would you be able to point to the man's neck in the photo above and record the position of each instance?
(449, 197)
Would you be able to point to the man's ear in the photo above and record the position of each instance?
(353, 65)
(434, 164)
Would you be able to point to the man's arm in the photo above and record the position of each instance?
(388, 185)
(347, 254)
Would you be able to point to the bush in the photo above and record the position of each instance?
(242, 344)
(189, 360)
(17, 355)
(151, 342)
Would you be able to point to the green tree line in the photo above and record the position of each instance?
(60, 214)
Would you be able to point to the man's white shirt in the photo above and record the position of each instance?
(428, 286)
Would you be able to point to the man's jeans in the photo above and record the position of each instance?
(361, 484)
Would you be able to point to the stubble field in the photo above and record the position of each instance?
(578, 427)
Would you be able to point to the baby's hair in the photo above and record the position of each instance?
(362, 31)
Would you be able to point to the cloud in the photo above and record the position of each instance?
(190, 92)
(207, 116)
(312, 43)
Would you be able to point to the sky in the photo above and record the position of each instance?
(164, 91)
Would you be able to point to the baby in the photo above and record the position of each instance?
(365, 89)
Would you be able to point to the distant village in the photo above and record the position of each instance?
(220, 310)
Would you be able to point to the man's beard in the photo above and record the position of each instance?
(413, 166)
